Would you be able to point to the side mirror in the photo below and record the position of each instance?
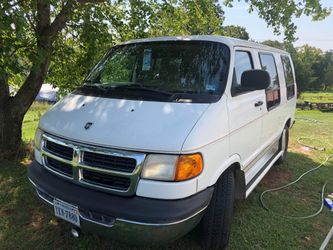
(255, 79)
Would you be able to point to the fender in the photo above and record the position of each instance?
(289, 121)
(233, 159)
(233, 162)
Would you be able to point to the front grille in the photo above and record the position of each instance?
(105, 180)
(100, 168)
(110, 162)
(59, 150)
(59, 166)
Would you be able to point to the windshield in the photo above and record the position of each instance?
(191, 71)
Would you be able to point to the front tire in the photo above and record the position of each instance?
(215, 225)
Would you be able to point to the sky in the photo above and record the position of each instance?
(318, 34)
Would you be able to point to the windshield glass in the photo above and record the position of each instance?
(192, 71)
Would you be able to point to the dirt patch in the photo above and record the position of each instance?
(319, 228)
(6, 212)
(276, 177)
(37, 221)
(297, 148)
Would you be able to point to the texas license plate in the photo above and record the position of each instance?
(67, 212)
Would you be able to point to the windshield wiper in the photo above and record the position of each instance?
(172, 96)
(143, 88)
(92, 84)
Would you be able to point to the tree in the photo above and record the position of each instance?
(236, 31)
(60, 40)
(187, 17)
(326, 77)
(310, 59)
(27, 41)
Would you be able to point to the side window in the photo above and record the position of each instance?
(289, 76)
(243, 62)
(273, 91)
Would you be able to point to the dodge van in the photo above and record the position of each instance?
(162, 137)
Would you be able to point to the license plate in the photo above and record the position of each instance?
(67, 212)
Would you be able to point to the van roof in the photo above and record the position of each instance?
(232, 42)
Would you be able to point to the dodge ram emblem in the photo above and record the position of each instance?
(88, 125)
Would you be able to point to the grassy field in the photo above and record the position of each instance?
(319, 96)
(26, 224)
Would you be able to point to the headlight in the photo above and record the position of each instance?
(172, 167)
(38, 138)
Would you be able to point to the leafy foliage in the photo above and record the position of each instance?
(236, 31)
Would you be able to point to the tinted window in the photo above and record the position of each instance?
(243, 62)
(268, 63)
(273, 91)
(289, 76)
(162, 71)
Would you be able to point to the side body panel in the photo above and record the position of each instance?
(274, 120)
(245, 120)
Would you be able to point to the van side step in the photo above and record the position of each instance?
(261, 173)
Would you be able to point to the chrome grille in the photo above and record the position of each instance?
(62, 167)
(59, 150)
(110, 170)
(109, 181)
(109, 162)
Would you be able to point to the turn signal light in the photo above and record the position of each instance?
(188, 166)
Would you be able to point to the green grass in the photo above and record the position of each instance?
(26, 224)
(30, 121)
(319, 96)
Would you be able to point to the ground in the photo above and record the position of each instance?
(27, 224)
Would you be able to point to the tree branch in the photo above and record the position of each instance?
(60, 20)
(67, 10)
(43, 17)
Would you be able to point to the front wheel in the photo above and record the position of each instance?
(283, 145)
(215, 225)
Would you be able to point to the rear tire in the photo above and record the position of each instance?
(283, 145)
(215, 225)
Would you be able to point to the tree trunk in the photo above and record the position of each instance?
(10, 132)
(13, 109)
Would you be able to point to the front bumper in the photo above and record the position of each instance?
(132, 219)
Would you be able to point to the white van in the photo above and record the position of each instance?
(163, 136)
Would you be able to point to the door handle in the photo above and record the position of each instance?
(258, 103)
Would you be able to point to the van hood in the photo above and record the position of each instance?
(128, 124)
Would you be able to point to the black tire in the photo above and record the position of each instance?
(283, 145)
(214, 228)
